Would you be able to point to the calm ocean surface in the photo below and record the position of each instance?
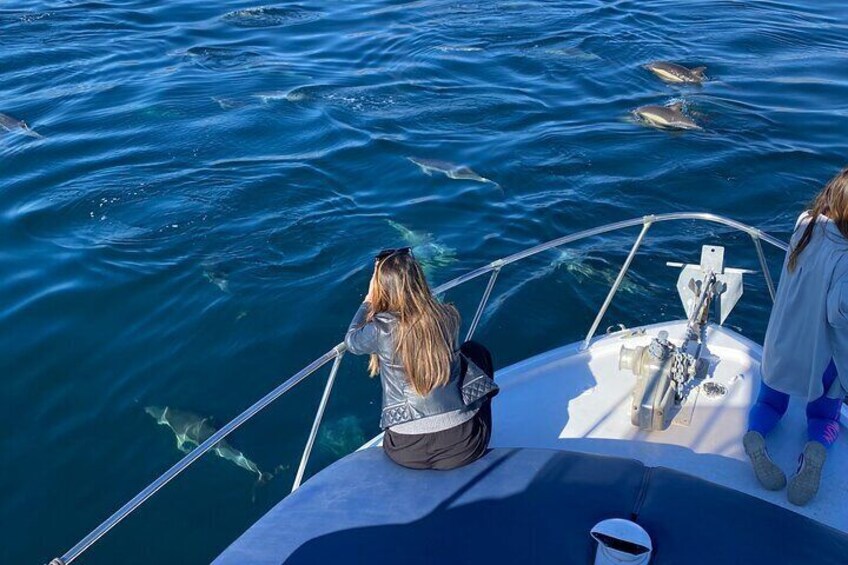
(198, 221)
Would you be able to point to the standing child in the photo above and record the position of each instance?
(806, 347)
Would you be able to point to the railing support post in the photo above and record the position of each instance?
(764, 265)
(483, 301)
(319, 415)
(615, 285)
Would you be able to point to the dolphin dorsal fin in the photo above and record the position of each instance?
(677, 106)
(699, 71)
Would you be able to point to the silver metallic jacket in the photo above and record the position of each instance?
(468, 383)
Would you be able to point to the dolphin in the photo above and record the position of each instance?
(216, 277)
(673, 73)
(192, 430)
(229, 103)
(577, 264)
(341, 436)
(425, 248)
(667, 117)
(18, 126)
(450, 170)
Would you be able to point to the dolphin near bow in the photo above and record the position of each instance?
(677, 74)
(192, 430)
(666, 117)
(427, 250)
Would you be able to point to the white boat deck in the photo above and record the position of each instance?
(580, 401)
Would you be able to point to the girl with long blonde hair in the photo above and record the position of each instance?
(436, 396)
(805, 353)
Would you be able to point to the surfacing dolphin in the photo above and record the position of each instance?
(18, 126)
(192, 430)
(666, 117)
(674, 73)
(429, 253)
(450, 170)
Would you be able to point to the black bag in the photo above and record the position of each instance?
(476, 383)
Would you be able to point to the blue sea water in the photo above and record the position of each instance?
(197, 222)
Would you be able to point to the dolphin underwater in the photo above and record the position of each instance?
(216, 277)
(674, 73)
(192, 430)
(18, 126)
(426, 250)
(450, 170)
(667, 117)
(342, 436)
(578, 265)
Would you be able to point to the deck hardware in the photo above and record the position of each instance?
(636, 332)
(665, 372)
(713, 389)
(728, 282)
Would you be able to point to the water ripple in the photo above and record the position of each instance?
(270, 16)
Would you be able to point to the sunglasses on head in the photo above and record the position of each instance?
(386, 253)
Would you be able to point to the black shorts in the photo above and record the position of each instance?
(453, 447)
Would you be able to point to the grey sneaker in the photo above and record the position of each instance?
(805, 484)
(769, 474)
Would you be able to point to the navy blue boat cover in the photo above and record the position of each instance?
(523, 506)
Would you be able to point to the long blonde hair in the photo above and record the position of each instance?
(832, 202)
(427, 329)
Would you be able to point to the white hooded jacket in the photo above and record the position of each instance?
(809, 322)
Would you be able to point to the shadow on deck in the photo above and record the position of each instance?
(522, 506)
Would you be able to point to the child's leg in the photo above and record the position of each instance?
(770, 407)
(822, 431)
(823, 413)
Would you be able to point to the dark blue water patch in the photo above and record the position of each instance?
(221, 58)
(199, 220)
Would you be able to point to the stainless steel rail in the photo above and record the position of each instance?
(766, 274)
(319, 415)
(618, 279)
(337, 352)
(486, 294)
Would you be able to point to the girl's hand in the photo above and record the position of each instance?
(370, 296)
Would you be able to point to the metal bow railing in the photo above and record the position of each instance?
(336, 353)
